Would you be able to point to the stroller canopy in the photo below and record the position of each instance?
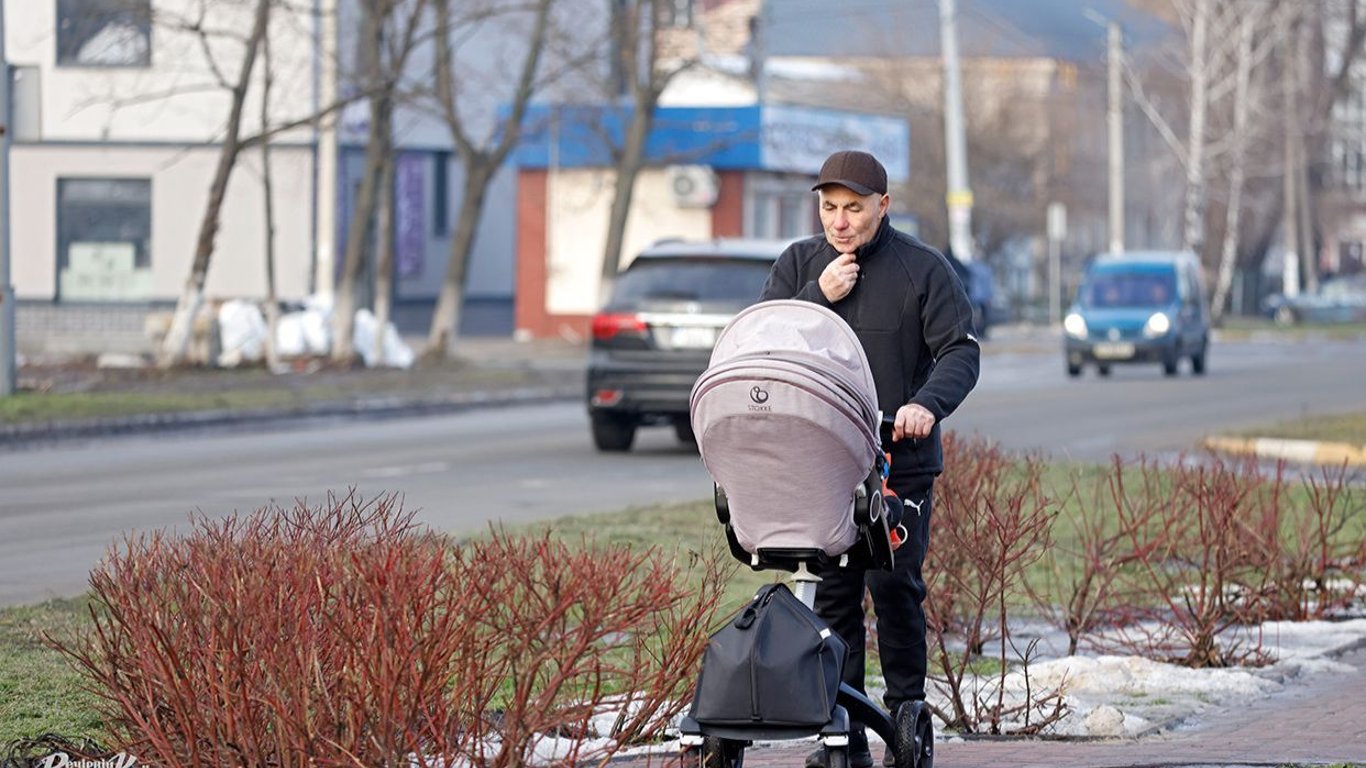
(787, 423)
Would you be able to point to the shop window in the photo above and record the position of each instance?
(104, 33)
(677, 13)
(104, 230)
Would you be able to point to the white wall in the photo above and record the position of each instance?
(180, 181)
(129, 104)
(576, 229)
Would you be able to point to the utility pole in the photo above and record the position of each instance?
(959, 196)
(1115, 56)
(7, 366)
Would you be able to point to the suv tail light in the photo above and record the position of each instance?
(607, 325)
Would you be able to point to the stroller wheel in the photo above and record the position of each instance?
(914, 736)
(836, 757)
(716, 752)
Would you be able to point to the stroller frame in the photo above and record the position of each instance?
(784, 372)
(908, 731)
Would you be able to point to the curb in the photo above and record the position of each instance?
(19, 435)
(1304, 451)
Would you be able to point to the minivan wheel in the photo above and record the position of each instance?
(1073, 370)
(613, 433)
(1169, 363)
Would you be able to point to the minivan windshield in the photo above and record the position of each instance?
(692, 279)
(1120, 290)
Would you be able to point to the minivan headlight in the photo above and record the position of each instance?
(1075, 325)
(1157, 325)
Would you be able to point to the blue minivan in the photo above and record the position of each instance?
(1139, 307)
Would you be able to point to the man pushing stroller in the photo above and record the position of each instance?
(913, 318)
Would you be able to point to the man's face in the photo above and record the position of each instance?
(848, 218)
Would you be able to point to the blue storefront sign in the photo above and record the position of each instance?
(760, 138)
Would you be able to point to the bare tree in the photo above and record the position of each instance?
(388, 36)
(480, 161)
(645, 73)
(192, 295)
(1214, 67)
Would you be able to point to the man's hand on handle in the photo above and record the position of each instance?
(913, 421)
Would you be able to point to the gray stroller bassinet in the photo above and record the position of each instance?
(787, 424)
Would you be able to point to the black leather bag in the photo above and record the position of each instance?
(776, 663)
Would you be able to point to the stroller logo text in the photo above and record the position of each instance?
(760, 396)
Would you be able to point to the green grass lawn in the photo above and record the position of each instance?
(1338, 427)
(39, 691)
(1237, 328)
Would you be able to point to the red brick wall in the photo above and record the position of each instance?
(532, 268)
(728, 215)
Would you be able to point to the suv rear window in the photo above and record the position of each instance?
(692, 279)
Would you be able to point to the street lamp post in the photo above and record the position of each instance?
(959, 197)
(7, 377)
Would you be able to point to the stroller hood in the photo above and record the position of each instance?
(787, 424)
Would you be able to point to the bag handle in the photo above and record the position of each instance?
(751, 612)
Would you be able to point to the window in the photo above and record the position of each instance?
(104, 231)
(441, 214)
(677, 13)
(692, 279)
(104, 33)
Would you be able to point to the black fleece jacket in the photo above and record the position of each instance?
(912, 315)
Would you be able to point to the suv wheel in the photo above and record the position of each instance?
(613, 433)
(683, 428)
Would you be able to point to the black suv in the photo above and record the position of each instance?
(655, 335)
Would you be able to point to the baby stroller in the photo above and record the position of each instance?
(787, 424)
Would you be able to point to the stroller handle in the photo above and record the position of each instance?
(885, 433)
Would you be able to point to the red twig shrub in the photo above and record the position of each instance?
(992, 520)
(557, 631)
(1317, 566)
(1087, 572)
(1174, 559)
(344, 635)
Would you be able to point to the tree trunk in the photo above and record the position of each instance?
(177, 339)
(359, 230)
(1193, 237)
(384, 244)
(1235, 195)
(446, 318)
(272, 303)
(628, 168)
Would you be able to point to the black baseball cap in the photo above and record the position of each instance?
(856, 170)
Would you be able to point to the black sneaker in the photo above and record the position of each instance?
(857, 759)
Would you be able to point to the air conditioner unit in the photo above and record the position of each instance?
(693, 186)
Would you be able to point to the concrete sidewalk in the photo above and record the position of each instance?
(1320, 720)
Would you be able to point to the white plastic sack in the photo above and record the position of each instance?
(242, 333)
(303, 333)
(393, 352)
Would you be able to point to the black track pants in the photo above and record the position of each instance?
(897, 599)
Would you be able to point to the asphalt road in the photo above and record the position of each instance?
(62, 506)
